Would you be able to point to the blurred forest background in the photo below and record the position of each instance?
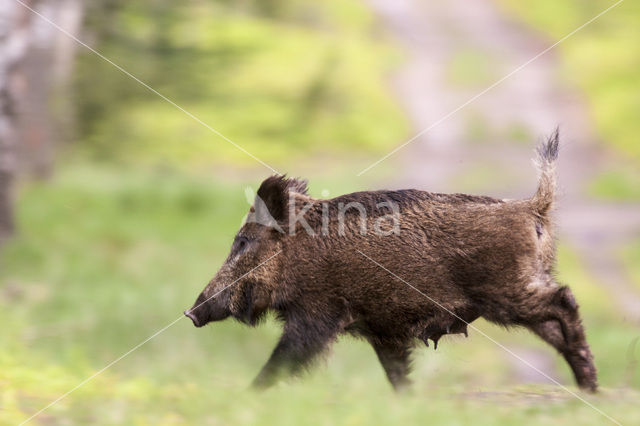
(116, 207)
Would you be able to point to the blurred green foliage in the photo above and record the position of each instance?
(631, 259)
(94, 272)
(622, 184)
(471, 68)
(279, 78)
(603, 59)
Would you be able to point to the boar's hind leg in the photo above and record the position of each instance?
(297, 347)
(566, 334)
(394, 357)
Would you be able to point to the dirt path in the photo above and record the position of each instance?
(455, 50)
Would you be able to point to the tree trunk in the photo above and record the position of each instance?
(44, 107)
(14, 40)
(35, 67)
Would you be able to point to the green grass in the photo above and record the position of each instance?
(106, 257)
(603, 59)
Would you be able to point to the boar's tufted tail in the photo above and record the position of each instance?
(545, 161)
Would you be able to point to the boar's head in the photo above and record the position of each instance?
(244, 286)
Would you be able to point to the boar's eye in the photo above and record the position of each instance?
(240, 245)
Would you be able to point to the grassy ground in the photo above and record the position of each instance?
(106, 257)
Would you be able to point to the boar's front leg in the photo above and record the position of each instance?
(299, 345)
(394, 357)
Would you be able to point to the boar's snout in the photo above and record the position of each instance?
(193, 318)
(206, 310)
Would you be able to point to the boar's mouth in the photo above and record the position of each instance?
(255, 304)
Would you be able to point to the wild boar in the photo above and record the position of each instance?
(395, 268)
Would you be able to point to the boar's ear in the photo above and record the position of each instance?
(274, 194)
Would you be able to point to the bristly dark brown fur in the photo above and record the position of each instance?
(475, 256)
